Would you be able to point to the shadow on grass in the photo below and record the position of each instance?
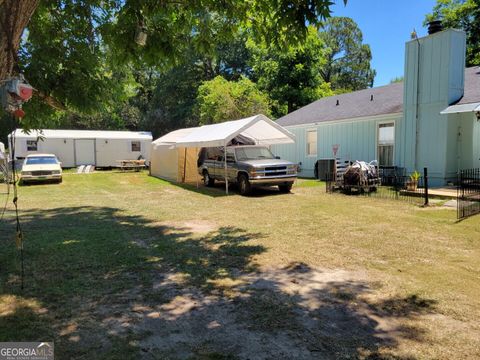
(105, 284)
(218, 190)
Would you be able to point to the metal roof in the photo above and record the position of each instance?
(84, 134)
(382, 100)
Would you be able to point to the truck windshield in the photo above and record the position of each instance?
(253, 153)
(41, 160)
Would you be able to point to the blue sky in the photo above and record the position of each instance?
(386, 26)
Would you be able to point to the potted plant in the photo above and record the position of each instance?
(413, 182)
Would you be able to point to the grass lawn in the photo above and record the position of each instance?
(126, 266)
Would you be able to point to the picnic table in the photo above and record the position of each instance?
(136, 165)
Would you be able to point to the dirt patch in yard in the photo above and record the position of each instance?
(275, 313)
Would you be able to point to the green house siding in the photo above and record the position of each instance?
(464, 145)
(357, 140)
(434, 79)
(444, 143)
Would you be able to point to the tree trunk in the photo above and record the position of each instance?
(14, 18)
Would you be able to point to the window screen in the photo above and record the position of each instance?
(312, 142)
(136, 146)
(32, 145)
(386, 142)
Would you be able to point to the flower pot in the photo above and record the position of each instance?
(411, 185)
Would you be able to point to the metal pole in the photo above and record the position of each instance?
(425, 179)
(185, 165)
(225, 166)
(196, 177)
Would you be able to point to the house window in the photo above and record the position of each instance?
(311, 142)
(386, 142)
(136, 146)
(32, 145)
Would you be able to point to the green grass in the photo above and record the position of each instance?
(100, 241)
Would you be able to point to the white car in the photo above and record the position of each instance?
(40, 167)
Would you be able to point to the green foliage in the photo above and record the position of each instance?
(221, 100)
(461, 14)
(415, 176)
(63, 56)
(77, 51)
(291, 75)
(347, 60)
(396, 79)
(169, 25)
(173, 99)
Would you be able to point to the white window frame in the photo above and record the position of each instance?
(139, 145)
(386, 122)
(316, 142)
(32, 141)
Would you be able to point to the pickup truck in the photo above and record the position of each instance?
(248, 166)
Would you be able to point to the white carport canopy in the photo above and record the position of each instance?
(461, 108)
(258, 128)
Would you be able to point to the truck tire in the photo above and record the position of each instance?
(244, 185)
(285, 188)
(207, 180)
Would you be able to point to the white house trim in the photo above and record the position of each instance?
(377, 127)
(386, 117)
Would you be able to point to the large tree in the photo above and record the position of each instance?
(221, 100)
(174, 98)
(461, 14)
(347, 66)
(291, 75)
(84, 31)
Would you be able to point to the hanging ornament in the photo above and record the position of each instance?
(13, 93)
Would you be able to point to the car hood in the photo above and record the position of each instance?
(46, 167)
(267, 162)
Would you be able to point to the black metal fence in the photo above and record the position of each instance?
(468, 193)
(392, 183)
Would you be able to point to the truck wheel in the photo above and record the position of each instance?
(285, 188)
(244, 185)
(207, 180)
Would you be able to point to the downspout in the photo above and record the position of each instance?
(417, 126)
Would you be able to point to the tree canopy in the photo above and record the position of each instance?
(85, 57)
(221, 100)
(461, 14)
(347, 61)
(291, 75)
(71, 48)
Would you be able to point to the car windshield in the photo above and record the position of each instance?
(253, 153)
(41, 160)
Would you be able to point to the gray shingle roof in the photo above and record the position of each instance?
(387, 99)
(472, 86)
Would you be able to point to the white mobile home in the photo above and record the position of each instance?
(83, 147)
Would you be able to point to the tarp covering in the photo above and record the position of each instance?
(259, 128)
(171, 163)
(462, 108)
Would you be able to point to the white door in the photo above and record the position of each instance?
(84, 152)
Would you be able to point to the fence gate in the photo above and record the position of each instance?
(468, 193)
